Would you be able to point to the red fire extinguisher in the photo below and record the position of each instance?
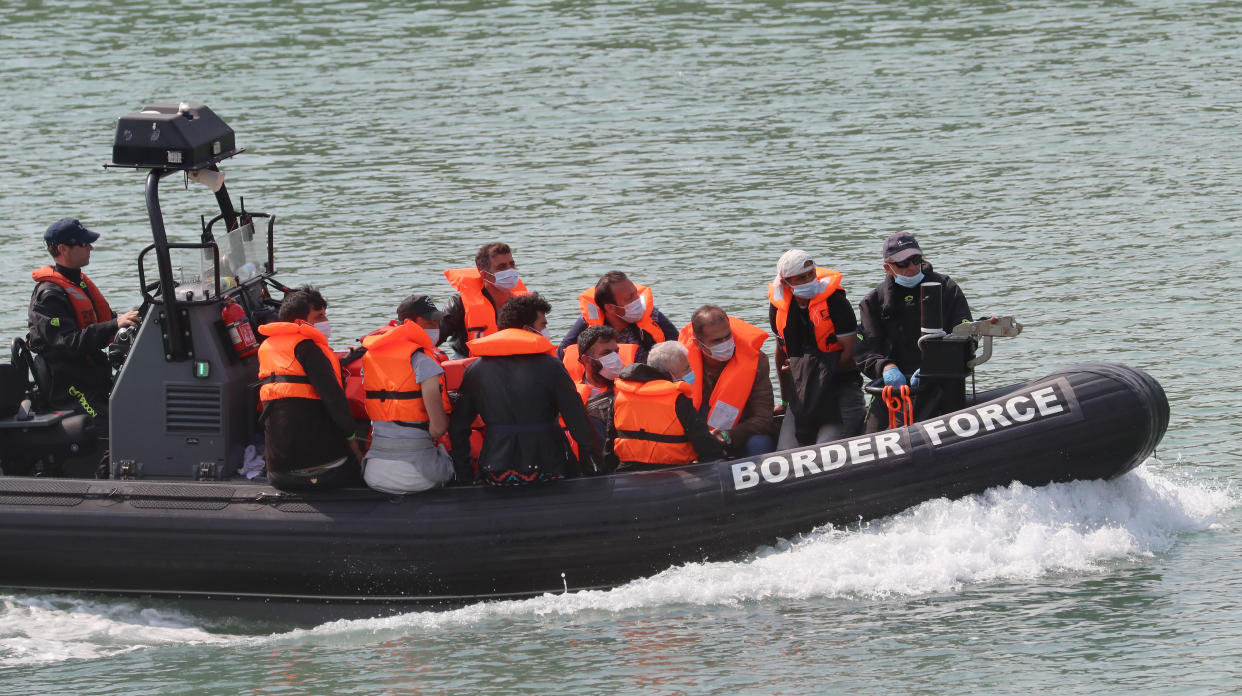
(244, 342)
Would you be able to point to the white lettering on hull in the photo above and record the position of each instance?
(1047, 401)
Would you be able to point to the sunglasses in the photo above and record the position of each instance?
(918, 260)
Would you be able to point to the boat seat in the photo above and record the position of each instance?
(29, 365)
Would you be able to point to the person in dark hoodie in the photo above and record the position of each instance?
(654, 417)
(889, 343)
(519, 388)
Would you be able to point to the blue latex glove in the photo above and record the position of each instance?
(914, 380)
(893, 377)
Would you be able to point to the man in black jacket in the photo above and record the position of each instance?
(891, 323)
(520, 389)
(70, 322)
(308, 426)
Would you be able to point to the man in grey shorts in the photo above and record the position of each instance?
(406, 401)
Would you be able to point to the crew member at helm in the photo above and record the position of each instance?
(307, 422)
(891, 323)
(71, 323)
(406, 402)
(816, 326)
(481, 292)
(732, 389)
(626, 307)
(654, 419)
(519, 388)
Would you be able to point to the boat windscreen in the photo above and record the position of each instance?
(242, 255)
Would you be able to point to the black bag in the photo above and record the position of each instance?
(12, 389)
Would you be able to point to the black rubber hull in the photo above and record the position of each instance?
(463, 544)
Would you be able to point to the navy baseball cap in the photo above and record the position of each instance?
(900, 246)
(418, 306)
(68, 231)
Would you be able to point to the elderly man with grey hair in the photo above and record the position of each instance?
(654, 419)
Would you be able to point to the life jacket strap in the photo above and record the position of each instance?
(651, 437)
(285, 379)
(385, 394)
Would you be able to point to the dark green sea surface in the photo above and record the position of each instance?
(1075, 164)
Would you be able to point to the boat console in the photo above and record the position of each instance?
(184, 404)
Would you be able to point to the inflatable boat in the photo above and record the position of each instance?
(170, 517)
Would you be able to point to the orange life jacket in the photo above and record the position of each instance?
(732, 388)
(817, 309)
(392, 393)
(89, 304)
(440, 356)
(480, 313)
(281, 374)
(584, 392)
(627, 351)
(510, 342)
(593, 313)
(645, 418)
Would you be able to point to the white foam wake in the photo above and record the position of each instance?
(35, 630)
(1008, 533)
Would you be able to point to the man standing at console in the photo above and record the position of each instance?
(891, 321)
(482, 291)
(71, 322)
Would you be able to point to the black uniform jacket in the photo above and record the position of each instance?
(520, 398)
(74, 354)
(891, 322)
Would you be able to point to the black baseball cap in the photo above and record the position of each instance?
(900, 246)
(68, 231)
(418, 306)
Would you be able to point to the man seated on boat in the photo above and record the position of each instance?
(521, 391)
(815, 326)
(600, 363)
(625, 306)
(732, 389)
(654, 417)
(71, 323)
(406, 402)
(891, 316)
(481, 292)
(307, 422)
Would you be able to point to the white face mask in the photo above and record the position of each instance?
(324, 327)
(433, 334)
(808, 289)
(506, 280)
(610, 365)
(634, 310)
(721, 351)
(542, 332)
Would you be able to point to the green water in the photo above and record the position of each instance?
(1073, 164)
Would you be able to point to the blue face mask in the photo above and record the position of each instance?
(908, 281)
(688, 378)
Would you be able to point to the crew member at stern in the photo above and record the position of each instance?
(71, 323)
(307, 422)
(816, 326)
(482, 291)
